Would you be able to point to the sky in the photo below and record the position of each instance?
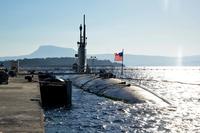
(144, 27)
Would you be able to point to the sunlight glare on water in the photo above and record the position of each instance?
(183, 74)
(90, 113)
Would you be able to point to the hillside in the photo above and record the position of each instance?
(129, 59)
(57, 62)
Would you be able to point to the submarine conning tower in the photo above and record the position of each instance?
(82, 48)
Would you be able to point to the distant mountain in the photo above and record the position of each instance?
(129, 59)
(52, 51)
(44, 52)
(12, 57)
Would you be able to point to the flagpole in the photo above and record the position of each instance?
(122, 62)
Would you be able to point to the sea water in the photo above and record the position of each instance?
(180, 86)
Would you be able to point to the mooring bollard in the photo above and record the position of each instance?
(3, 77)
(68, 87)
(56, 93)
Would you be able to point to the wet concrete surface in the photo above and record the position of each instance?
(19, 107)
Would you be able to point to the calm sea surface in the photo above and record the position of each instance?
(90, 113)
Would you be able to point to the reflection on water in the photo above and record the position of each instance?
(90, 113)
(179, 74)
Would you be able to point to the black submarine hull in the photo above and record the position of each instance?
(115, 89)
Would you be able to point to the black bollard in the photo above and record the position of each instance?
(55, 93)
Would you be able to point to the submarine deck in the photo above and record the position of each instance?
(115, 89)
(19, 107)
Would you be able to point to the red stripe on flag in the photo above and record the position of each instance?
(118, 57)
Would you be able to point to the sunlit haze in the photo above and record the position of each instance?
(144, 27)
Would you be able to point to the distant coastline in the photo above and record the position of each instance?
(129, 59)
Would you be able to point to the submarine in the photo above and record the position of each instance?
(106, 84)
(115, 89)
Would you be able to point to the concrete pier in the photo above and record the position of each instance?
(19, 107)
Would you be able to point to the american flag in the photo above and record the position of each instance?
(119, 56)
